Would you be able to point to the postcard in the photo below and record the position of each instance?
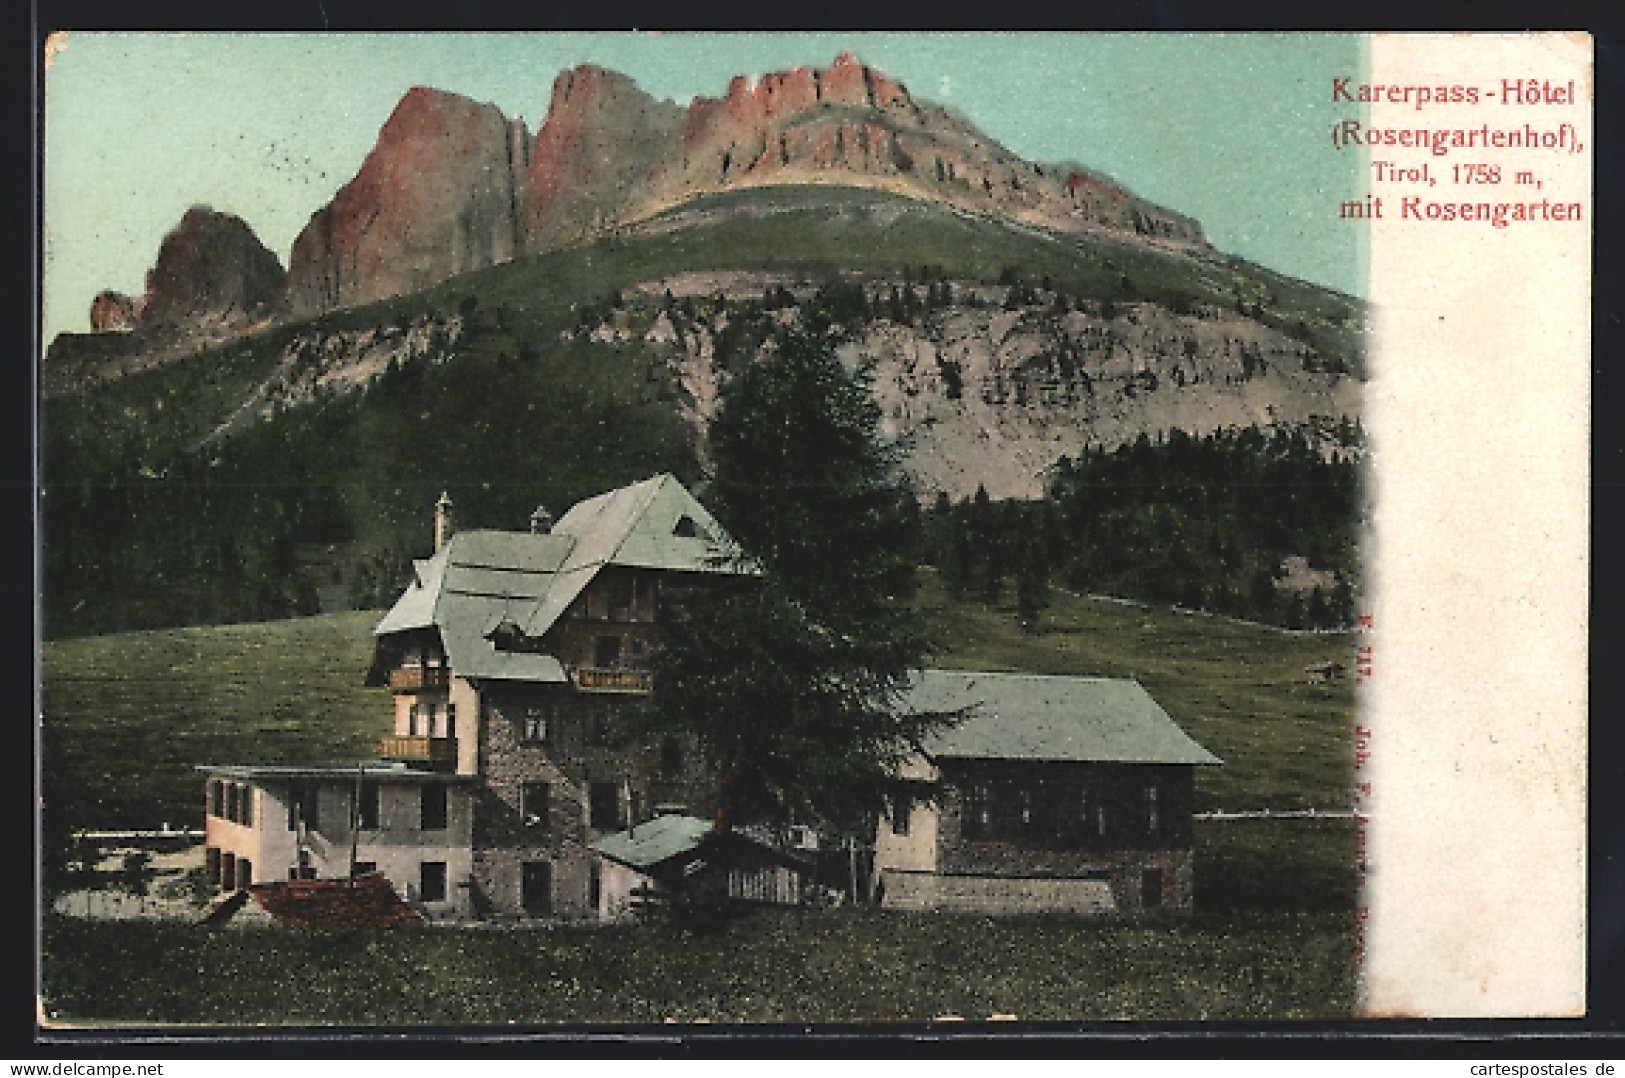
(936, 530)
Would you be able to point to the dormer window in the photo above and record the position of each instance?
(507, 636)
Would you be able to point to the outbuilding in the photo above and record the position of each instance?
(1053, 794)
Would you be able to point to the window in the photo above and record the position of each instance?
(433, 816)
(368, 813)
(211, 863)
(535, 723)
(451, 720)
(245, 873)
(643, 599)
(606, 651)
(686, 528)
(536, 888)
(604, 806)
(534, 801)
(597, 721)
(620, 598)
(228, 871)
(303, 802)
(1152, 820)
(978, 818)
(671, 758)
(432, 880)
(595, 887)
(363, 868)
(902, 807)
(1151, 888)
(214, 797)
(1024, 809)
(245, 806)
(231, 801)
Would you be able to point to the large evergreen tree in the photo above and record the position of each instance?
(791, 680)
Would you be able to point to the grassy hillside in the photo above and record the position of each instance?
(322, 505)
(127, 715)
(1238, 689)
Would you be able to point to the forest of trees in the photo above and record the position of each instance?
(335, 495)
(326, 502)
(1203, 523)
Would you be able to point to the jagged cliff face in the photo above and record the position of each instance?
(452, 186)
(112, 312)
(601, 139)
(1034, 385)
(437, 196)
(850, 124)
(988, 395)
(211, 270)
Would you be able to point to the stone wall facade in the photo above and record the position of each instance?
(559, 771)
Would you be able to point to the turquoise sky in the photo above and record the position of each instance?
(1229, 128)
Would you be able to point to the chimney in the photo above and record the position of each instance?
(442, 521)
(541, 521)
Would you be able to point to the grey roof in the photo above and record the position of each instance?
(660, 841)
(369, 769)
(650, 843)
(481, 579)
(1034, 717)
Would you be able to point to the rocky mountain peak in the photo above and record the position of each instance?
(453, 186)
(436, 197)
(113, 312)
(211, 267)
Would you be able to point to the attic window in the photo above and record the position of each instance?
(507, 635)
(687, 529)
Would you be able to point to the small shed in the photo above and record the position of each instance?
(687, 860)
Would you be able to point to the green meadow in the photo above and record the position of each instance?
(127, 716)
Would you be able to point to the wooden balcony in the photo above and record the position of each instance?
(419, 677)
(611, 679)
(418, 749)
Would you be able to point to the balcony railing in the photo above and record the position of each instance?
(419, 677)
(611, 679)
(417, 748)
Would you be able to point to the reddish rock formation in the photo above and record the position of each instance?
(844, 82)
(451, 186)
(211, 267)
(601, 137)
(112, 312)
(437, 196)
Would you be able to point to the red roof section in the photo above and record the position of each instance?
(367, 902)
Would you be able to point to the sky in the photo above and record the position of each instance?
(1231, 129)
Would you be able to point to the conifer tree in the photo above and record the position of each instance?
(792, 680)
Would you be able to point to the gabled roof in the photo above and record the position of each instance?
(1034, 717)
(482, 579)
(649, 844)
(667, 844)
